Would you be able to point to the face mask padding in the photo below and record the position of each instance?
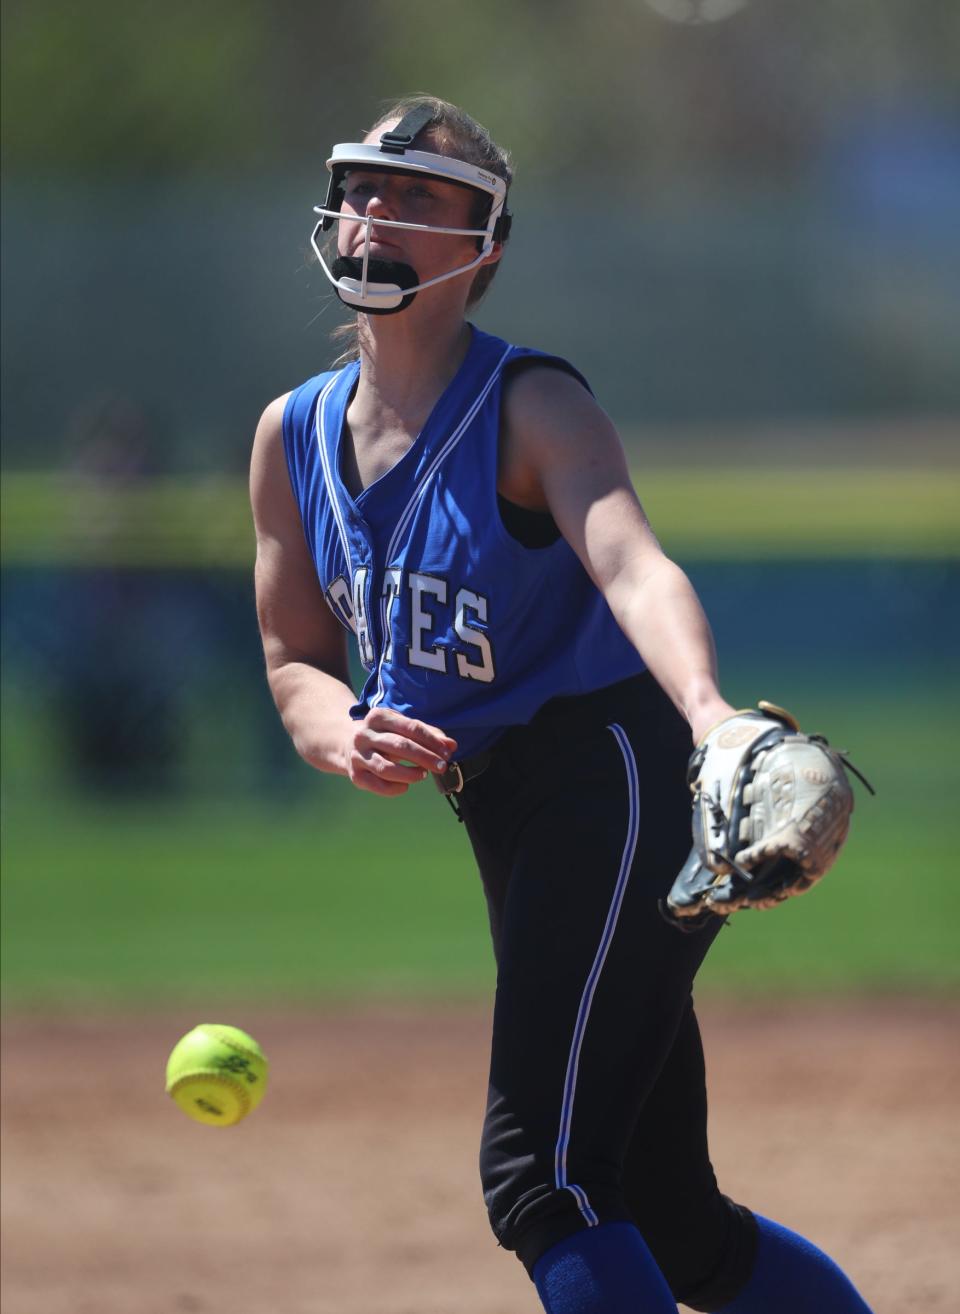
(382, 275)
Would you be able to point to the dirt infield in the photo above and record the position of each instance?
(353, 1189)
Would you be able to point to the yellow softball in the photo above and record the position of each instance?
(217, 1074)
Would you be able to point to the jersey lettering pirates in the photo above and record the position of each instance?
(456, 622)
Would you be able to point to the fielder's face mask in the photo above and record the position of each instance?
(382, 287)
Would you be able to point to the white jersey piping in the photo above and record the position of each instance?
(328, 477)
(407, 514)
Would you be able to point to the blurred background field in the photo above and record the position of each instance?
(741, 220)
(163, 843)
(744, 232)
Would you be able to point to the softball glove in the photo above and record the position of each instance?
(771, 809)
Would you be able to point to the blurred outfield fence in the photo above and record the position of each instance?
(132, 663)
(722, 512)
(139, 681)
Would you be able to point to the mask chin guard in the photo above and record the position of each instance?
(387, 279)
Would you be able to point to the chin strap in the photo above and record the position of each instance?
(399, 139)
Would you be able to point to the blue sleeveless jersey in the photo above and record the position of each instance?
(457, 623)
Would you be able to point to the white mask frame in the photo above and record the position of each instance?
(383, 294)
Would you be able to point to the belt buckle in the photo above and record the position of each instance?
(451, 781)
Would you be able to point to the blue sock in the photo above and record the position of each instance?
(792, 1276)
(602, 1270)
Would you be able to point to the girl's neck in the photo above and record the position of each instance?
(406, 366)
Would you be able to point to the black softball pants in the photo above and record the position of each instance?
(597, 1105)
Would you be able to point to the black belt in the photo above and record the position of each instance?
(457, 774)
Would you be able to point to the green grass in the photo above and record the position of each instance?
(720, 514)
(174, 902)
(339, 895)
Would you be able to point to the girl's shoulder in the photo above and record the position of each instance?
(300, 408)
(538, 369)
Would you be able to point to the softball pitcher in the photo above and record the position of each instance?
(463, 508)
